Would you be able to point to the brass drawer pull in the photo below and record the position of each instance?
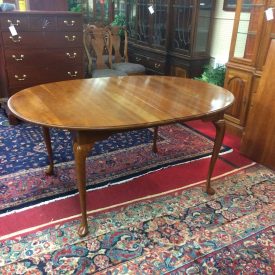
(16, 39)
(20, 58)
(70, 38)
(69, 23)
(20, 79)
(15, 24)
(138, 59)
(73, 74)
(157, 65)
(72, 56)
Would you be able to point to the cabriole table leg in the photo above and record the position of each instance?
(82, 145)
(220, 130)
(155, 148)
(47, 139)
(81, 150)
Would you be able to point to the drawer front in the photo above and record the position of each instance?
(20, 21)
(67, 72)
(150, 63)
(66, 57)
(28, 77)
(25, 57)
(28, 57)
(155, 65)
(34, 40)
(25, 77)
(43, 22)
(69, 23)
(23, 40)
(63, 40)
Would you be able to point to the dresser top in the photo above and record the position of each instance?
(14, 13)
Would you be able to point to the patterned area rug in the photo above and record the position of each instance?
(121, 157)
(181, 232)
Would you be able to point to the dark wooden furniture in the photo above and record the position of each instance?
(48, 47)
(174, 39)
(251, 37)
(258, 141)
(93, 109)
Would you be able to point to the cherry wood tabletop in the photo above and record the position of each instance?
(118, 103)
(93, 109)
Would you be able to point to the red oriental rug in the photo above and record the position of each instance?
(29, 193)
(130, 232)
(30, 187)
(179, 231)
(29, 200)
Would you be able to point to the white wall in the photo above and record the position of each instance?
(221, 35)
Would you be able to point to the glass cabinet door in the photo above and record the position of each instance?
(98, 11)
(268, 35)
(203, 26)
(160, 17)
(131, 19)
(250, 15)
(182, 16)
(119, 7)
(147, 22)
(143, 24)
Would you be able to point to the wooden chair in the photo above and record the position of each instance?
(96, 40)
(121, 62)
(96, 44)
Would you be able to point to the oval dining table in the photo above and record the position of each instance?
(93, 109)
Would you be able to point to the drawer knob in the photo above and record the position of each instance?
(70, 38)
(12, 23)
(138, 59)
(72, 56)
(74, 74)
(67, 23)
(157, 65)
(22, 78)
(20, 58)
(16, 39)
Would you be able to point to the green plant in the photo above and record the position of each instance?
(214, 75)
(120, 20)
(75, 5)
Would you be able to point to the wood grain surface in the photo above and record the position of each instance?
(119, 102)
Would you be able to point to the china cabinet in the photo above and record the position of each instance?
(258, 142)
(166, 36)
(170, 37)
(251, 37)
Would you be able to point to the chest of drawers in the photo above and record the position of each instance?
(47, 48)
